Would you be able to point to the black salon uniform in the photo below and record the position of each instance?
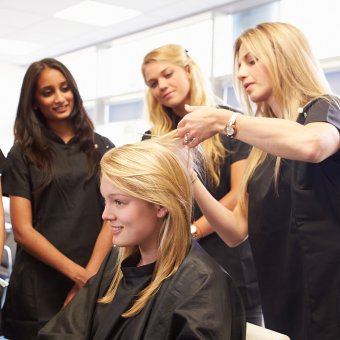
(198, 302)
(295, 237)
(68, 213)
(238, 261)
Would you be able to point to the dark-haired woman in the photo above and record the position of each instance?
(52, 181)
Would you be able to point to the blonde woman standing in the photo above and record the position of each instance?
(291, 189)
(174, 79)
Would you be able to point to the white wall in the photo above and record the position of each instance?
(10, 84)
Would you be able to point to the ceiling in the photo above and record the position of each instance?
(33, 22)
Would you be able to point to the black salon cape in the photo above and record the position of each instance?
(198, 302)
(68, 212)
(295, 237)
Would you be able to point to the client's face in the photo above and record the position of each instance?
(134, 222)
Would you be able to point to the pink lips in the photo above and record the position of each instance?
(167, 95)
(247, 86)
(116, 230)
(61, 109)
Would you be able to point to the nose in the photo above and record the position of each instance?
(242, 72)
(59, 97)
(162, 83)
(108, 215)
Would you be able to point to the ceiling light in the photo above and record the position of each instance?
(16, 47)
(96, 13)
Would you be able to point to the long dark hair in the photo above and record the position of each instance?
(30, 123)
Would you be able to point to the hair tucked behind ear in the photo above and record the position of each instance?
(162, 118)
(151, 171)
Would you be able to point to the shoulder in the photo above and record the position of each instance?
(202, 270)
(321, 109)
(16, 153)
(2, 161)
(103, 143)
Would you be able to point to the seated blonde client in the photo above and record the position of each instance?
(157, 283)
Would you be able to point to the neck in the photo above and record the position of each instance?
(275, 108)
(147, 257)
(180, 112)
(64, 129)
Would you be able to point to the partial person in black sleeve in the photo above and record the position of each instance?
(174, 79)
(2, 211)
(157, 283)
(53, 184)
(289, 202)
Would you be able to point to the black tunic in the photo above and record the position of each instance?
(68, 213)
(295, 237)
(238, 261)
(198, 302)
(2, 162)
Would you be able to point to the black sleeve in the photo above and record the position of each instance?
(2, 162)
(236, 149)
(323, 110)
(146, 135)
(103, 144)
(16, 178)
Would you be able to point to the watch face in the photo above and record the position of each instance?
(230, 131)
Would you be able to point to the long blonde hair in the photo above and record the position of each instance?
(150, 171)
(200, 95)
(296, 76)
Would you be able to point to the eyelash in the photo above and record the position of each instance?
(154, 84)
(118, 203)
(47, 93)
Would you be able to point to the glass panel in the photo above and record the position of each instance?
(126, 111)
(120, 61)
(253, 16)
(334, 80)
(318, 20)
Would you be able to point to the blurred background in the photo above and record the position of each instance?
(103, 43)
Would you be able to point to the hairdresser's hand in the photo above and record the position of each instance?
(201, 123)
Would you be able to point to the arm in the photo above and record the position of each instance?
(102, 247)
(313, 142)
(231, 226)
(38, 246)
(229, 200)
(2, 223)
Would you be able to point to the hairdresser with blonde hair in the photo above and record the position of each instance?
(174, 79)
(157, 283)
(291, 190)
